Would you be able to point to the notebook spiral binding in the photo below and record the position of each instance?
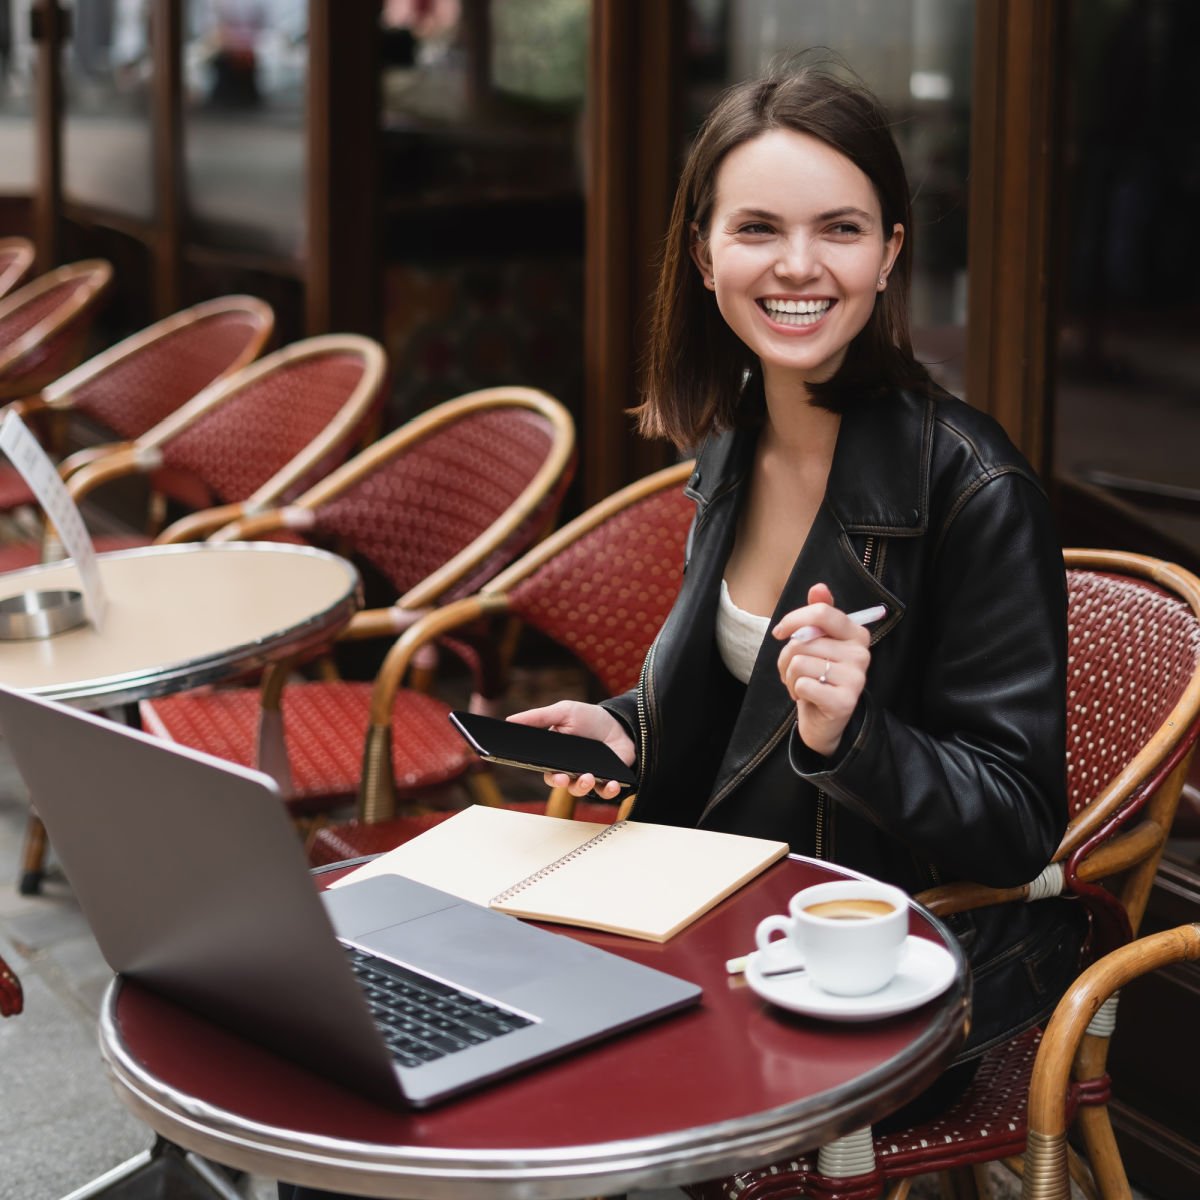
(541, 873)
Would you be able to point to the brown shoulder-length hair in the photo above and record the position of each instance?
(701, 377)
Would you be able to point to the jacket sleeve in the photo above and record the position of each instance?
(976, 783)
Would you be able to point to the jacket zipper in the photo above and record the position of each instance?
(643, 719)
(822, 796)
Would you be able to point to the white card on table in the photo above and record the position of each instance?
(35, 467)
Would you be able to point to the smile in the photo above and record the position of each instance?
(796, 312)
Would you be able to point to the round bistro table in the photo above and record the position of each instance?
(177, 617)
(733, 1083)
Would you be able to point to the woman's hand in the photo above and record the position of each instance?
(825, 676)
(583, 720)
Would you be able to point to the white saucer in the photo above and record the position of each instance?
(926, 970)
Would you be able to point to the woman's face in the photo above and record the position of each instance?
(797, 248)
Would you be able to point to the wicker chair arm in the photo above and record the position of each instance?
(377, 794)
(89, 454)
(251, 526)
(380, 622)
(1045, 1173)
(126, 461)
(26, 406)
(953, 898)
(1117, 854)
(429, 628)
(198, 525)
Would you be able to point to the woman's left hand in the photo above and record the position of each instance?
(825, 676)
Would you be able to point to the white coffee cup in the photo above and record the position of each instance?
(848, 935)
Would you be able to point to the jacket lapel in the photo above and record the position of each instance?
(873, 491)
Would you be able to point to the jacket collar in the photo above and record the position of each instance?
(872, 485)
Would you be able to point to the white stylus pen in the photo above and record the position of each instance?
(864, 616)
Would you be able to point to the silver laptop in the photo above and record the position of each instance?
(194, 884)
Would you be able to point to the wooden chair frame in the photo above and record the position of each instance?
(377, 799)
(420, 599)
(1122, 831)
(1072, 1057)
(94, 274)
(144, 455)
(58, 398)
(16, 261)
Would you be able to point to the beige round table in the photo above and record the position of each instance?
(180, 616)
(176, 617)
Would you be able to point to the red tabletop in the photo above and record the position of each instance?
(731, 1084)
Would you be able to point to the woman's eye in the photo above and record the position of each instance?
(846, 229)
(754, 227)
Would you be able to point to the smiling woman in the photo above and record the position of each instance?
(832, 476)
(796, 251)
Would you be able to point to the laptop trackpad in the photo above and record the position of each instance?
(458, 941)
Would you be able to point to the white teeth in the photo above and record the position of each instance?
(804, 312)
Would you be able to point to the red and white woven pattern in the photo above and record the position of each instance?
(420, 508)
(325, 727)
(1133, 649)
(606, 596)
(141, 388)
(58, 353)
(238, 446)
(988, 1118)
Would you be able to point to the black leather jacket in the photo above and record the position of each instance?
(953, 764)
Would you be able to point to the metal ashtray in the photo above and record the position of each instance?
(40, 614)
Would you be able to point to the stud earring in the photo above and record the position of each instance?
(882, 280)
(712, 281)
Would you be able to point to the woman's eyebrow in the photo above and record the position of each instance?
(834, 214)
(757, 214)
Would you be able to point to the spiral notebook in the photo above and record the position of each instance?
(632, 878)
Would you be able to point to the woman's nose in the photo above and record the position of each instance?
(796, 259)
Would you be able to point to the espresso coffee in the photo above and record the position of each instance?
(849, 909)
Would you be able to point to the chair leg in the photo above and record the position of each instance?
(1095, 1130)
(484, 789)
(964, 1183)
(33, 856)
(1091, 1121)
(1081, 1175)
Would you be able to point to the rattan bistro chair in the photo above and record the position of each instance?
(437, 508)
(127, 389)
(256, 438)
(44, 325)
(16, 261)
(248, 441)
(600, 587)
(1133, 715)
(1071, 1061)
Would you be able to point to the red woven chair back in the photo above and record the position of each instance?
(432, 499)
(606, 594)
(151, 374)
(240, 444)
(44, 326)
(1133, 649)
(16, 259)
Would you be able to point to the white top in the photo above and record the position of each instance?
(739, 635)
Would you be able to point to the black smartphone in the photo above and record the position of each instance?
(540, 749)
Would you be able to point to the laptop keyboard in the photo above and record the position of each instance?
(421, 1019)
